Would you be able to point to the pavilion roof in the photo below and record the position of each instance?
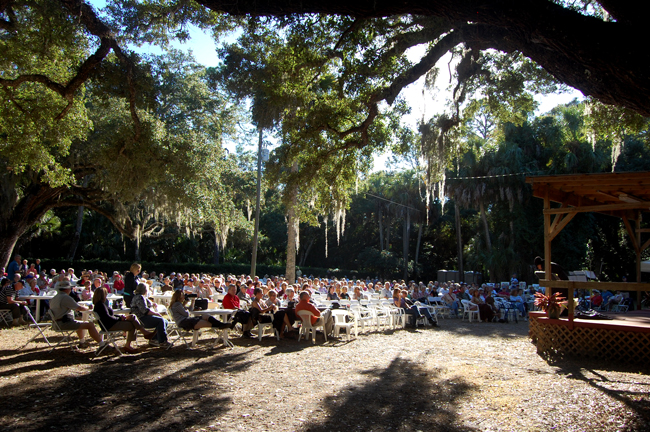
(615, 194)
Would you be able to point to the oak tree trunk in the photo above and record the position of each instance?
(292, 232)
(77, 234)
(381, 229)
(405, 243)
(459, 242)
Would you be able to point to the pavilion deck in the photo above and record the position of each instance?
(625, 338)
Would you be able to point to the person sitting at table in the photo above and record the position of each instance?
(87, 292)
(146, 312)
(8, 301)
(118, 284)
(63, 307)
(182, 318)
(260, 306)
(331, 294)
(242, 316)
(166, 285)
(131, 281)
(242, 294)
(318, 318)
(112, 322)
(98, 282)
(357, 294)
(29, 288)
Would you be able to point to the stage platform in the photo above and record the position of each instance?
(625, 338)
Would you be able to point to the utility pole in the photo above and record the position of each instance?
(257, 204)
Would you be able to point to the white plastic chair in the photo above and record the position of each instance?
(306, 327)
(110, 337)
(382, 316)
(263, 326)
(363, 316)
(440, 306)
(340, 323)
(469, 313)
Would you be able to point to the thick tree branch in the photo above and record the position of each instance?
(599, 58)
(125, 228)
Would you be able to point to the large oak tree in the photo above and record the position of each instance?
(593, 46)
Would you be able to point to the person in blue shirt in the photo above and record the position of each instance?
(14, 267)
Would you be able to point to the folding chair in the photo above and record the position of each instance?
(306, 327)
(110, 337)
(175, 333)
(6, 317)
(440, 306)
(39, 327)
(66, 333)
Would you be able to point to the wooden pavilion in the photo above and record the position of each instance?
(623, 195)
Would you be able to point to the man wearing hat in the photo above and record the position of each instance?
(596, 299)
(62, 307)
(8, 301)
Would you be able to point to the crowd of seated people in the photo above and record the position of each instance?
(270, 299)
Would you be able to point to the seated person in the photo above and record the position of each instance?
(331, 293)
(614, 300)
(400, 299)
(232, 301)
(8, 301)
(29, 289)
(486, 314)
(62, 306)
(166, 285)
(146, 312)
(182, 318)
(260, 306)
(451, 301)
(357, 294)
(464, 295)
(290, 297)
(344, 293)
(242, 294)
(112, 322)
(385, 291)
(325, 318)
(596, 299)
(87, 292)
(518, 301)
(289, 312)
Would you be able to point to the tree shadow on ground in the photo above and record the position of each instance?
(636, 401)
(481, 329)
(401, 397)
(147, 392)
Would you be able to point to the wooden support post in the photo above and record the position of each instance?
(570, 306)
(547, 240)
(638, 256)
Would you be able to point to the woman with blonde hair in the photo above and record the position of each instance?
(111, 322)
